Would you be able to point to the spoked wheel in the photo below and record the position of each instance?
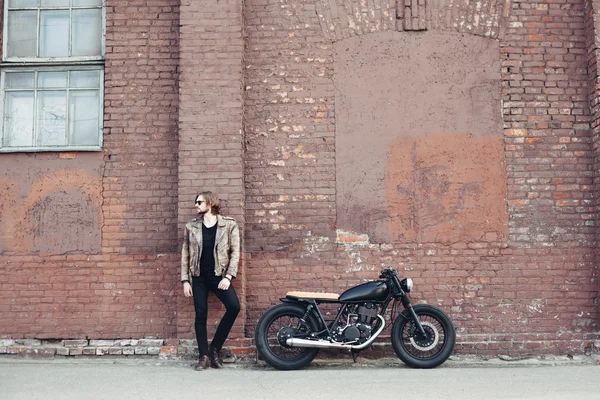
(423, 351)
(272, 330)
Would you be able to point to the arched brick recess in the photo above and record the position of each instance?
(340, 19)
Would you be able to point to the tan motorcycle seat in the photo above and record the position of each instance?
(313, 295)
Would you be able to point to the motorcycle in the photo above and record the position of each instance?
(289, 335)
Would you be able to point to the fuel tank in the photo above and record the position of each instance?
(370, 291)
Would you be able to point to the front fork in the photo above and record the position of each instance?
(413, 314)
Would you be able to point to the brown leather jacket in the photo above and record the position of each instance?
(227, 248)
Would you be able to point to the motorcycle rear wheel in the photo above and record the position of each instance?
(424, 352)
(268, 346)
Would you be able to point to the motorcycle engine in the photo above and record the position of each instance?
(358, 328)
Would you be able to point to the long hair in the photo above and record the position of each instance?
(211, 200)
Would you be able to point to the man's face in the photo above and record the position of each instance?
(201, 207)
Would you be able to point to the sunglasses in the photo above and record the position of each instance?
(198, 202)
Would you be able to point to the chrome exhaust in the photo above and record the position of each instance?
(325, 344)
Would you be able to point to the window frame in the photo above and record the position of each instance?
(101, 57)
(49, 64)
(61, 68)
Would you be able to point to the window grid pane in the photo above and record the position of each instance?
(83, 117)
(22, 36)
(88, 3)
(18, 119)
(22, 3)
(52, 118)
(52, 80)
(84, 79)
(19, 80)
(54, 3)
(54, 33)
(86, 28)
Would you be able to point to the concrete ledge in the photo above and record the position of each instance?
(243, 351)
(162, 349)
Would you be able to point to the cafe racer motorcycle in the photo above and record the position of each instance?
(289, 335)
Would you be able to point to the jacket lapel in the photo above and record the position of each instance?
(197, 230)
(221, 229)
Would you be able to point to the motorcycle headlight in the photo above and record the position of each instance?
(406, 284)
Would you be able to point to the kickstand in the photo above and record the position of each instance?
(354, 354)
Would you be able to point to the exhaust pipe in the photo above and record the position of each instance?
(325, 344)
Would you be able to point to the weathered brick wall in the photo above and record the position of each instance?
(510, 293)
(210, 124)
(256, 121)
(290, 153)
(549, 151)
(592, 25)
(116, 279)
(87, 296)
(546, 116)
(140, 128)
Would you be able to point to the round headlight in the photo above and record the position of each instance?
(406, 284)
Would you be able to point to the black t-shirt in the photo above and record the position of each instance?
(207, 259)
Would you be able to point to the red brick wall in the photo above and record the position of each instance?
(140, 127)
(512, 294)
(210, 124)
(241, 101)
(127, 287)
(88, 296)
(592, 26)
(546, 114)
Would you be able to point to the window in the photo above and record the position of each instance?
(52, 78)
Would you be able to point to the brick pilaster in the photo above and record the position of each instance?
(592, 27)
(210, 117)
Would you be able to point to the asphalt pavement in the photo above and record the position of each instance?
(559, 378)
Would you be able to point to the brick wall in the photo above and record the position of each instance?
(140, 128)
(546, 115)
(290, 153)
(126, 288)
(255, 120)
(210, 123)
(549, 143)
(592, 26)
(87, 296)
(504, 294)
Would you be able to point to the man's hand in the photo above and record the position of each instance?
(187, 289)
(224, 284)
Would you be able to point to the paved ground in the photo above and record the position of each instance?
(558, 378)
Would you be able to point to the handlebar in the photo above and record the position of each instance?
(387, 273)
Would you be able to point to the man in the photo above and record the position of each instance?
(209, 261)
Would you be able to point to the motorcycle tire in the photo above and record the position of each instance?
(416, 351)
(268, 347)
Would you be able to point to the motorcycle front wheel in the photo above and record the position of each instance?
(419, 351)
(284, 317)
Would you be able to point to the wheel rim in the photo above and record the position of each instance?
(273, 345)
(424, 348)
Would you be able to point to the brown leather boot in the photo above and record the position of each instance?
(215, 358)
(203, 364)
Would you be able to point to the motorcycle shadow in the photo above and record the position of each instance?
(341, 364)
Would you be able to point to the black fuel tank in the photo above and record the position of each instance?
(370, 291)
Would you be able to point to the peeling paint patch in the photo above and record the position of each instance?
(419, 159)
(54, 209)
(537, 306)
(446, 188)
(351, 237)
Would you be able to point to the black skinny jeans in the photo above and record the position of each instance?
(201, 285)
